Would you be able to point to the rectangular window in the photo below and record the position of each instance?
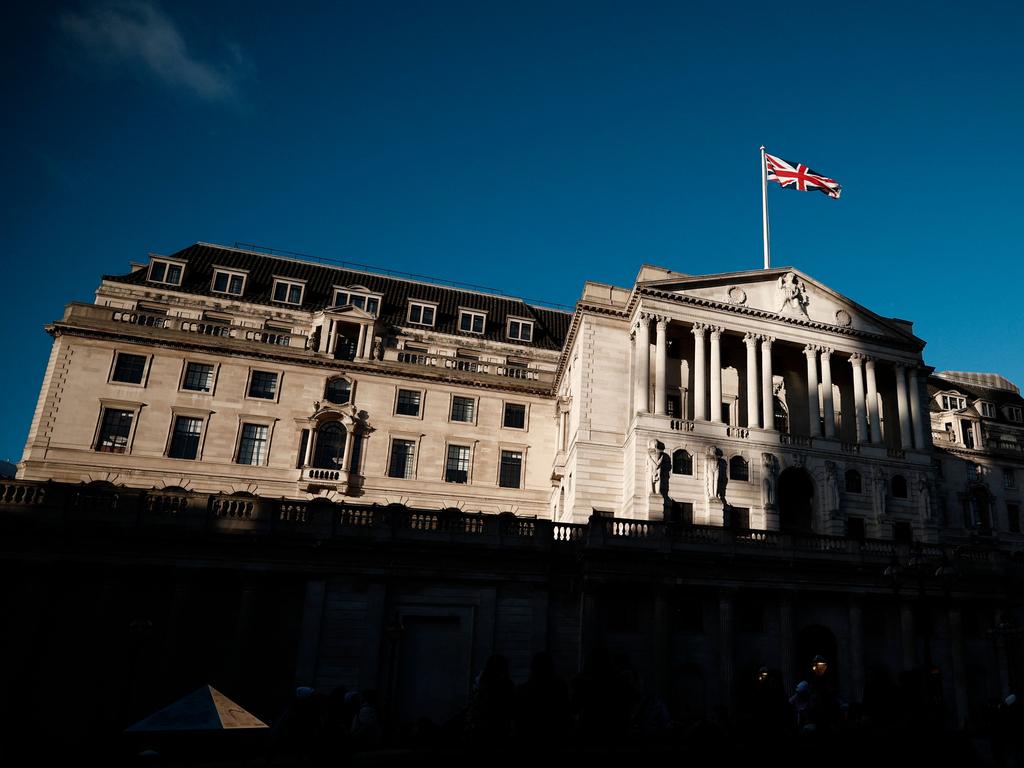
(408, 402)
(965, 427)
(511, 469)
(471, 322)
(456, 469)
(115, 428)
(988, 410)
(520, 330)
(463, 409)
(515, 416)
(401, 463)
(252, 448)
(263, 384)
(287, 292)
(1009, 478)
(185, 437)
(165, 272)
(370, 304)
(128, 369)
(855, 528)
(1014, 413)
(198, 377)
(953, 403)
(421, 314)
(228, 282)
(1013, 517)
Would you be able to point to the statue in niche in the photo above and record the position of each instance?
(713, 474)
(831, 487)
(659, 467)
(924, 493)
(769, 471)
(794, 294)
(880, 489)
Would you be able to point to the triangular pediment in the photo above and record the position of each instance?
(349, 312)
(786, 293)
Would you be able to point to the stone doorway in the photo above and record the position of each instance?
(796, 500)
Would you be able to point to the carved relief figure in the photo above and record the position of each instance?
(713, 473)
(768, 479)
(880, 489)
(794, 294)
(831, 487)
(924, 493)
(658, 468)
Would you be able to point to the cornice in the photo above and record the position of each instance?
(838, 330)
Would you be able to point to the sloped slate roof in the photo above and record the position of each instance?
(998, 396)
(550, 325)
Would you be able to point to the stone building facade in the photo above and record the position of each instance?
(377, 481)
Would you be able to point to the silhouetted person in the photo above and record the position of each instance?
(366, 728)
(542, 706)
(489, 720)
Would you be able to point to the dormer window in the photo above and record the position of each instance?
(953, 403)
(988, 410)
(472, 322)
(288, 291)
(359, 298)
(519, 330)
(1014, 413)
(228, 281)
(167, 272)
(421, 313)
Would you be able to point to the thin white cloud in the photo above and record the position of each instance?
(139, 33)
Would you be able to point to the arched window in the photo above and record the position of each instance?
(682, 463)
(338, 391)
(739, 469)
(781, 415)
(899, 487)
(330, 446)
(854, 484)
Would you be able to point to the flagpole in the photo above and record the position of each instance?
(764, 208)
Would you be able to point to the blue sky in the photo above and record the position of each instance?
(526, 146)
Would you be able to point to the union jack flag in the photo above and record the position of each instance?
(799, 176)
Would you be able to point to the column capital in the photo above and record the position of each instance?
(857, 359)
(751, 339)
(767, 340)
(716, 332)
(825, 351)
(869, 362)
(646, 317)
(811, 350)
(662, 322)
(699, 329)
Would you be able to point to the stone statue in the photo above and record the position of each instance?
(657, 465)
(924, 493)
(768, 479)
(881, 491)
(831, 487)
(378, 348)
(713, 473)
(794, 294)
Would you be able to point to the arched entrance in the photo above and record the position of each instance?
(796, 500)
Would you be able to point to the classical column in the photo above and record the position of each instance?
(915, 411)
(813, 411)
(346, 456)
(857, 363)
(876, 424)
(700, 372)
(767, 383)
(902, 404)
(643, 363)
(753, 417)
(726, 643)
(309, 446)
(857, 671)
(716, 374)
(660, 360)
(826, 392)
